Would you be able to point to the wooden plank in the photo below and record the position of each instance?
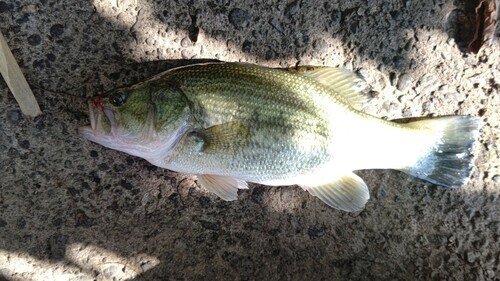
(16, 82)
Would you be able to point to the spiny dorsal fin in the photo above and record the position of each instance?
(224, 187)
(223, 138)
(348, 193)
(340, 80)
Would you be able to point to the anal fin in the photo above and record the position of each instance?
(348, 193)
(224, 187)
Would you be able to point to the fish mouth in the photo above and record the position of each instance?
(102, 121)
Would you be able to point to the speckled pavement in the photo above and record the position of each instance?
(74, 210)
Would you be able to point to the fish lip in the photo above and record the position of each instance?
(99, 125)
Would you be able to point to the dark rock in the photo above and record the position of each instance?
(14, 116)
(316, 231)
(94, 154)
(57, 30)
(50, 57)
(258, 195)
(210, 225)
(57, 222)
(398, 61)
(239, 18)
(34, 40)
(460, 27)
(336, 17)
(247, 46)
(274, 22)
(81, 219)
(4, 7)
(205, 202)
(57, 246)
(302, 39)
(103, 167)
(85, 185)
(119, 167)
(40, 64)
(292, 8)
(21, 223)
(2, 222)
(12, 153)
(24, 144)
(193, 30)
(125, 184)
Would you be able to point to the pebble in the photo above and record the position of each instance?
(336, 17)
(147, 265)
(185, 42)
(150, 41)
(496, 178)
(381, 192)
(277, 25)
(30, 9)
(320, 44)
(185, 54)
(404, 82)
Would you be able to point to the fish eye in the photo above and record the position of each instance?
(118, 99)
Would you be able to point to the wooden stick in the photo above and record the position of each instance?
(16, 82)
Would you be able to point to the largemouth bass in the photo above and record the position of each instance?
(233, 123)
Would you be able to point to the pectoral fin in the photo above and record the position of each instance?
(223, 138)
(224, 187)
(348, 193)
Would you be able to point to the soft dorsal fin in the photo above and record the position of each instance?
(348, 192)
(343, 82)
(224, 187)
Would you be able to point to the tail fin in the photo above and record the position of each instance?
(449, 161)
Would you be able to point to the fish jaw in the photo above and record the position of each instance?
(104, 130)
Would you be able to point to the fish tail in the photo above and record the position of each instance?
(448, 161)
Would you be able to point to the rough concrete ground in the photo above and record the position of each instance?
(74, 210)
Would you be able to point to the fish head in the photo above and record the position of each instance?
(144, 121)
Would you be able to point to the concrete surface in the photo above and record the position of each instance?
(73, 210)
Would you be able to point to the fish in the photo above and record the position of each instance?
(231, 124)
